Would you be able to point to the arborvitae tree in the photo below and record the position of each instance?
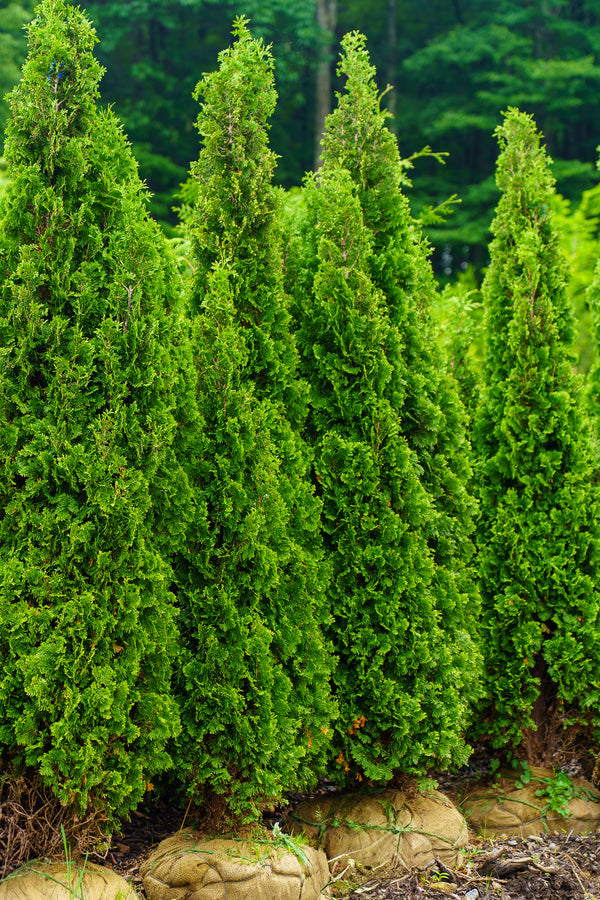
(398, 680)
(419, 573)
(255, 693)
(433, 417)
(237, 213)
(89, 486)
(592, 315)
(538, 535)
(593, 381)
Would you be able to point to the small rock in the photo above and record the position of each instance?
(472, 895)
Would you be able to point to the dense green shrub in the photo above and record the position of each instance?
(254, 690)
(391, 457)
(538, 535)
(433, 417)
(89, 486)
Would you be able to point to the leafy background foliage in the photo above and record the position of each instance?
(454, 66)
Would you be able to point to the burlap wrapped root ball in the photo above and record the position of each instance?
(191, 867)
(504, 808)
(38, 880)
(388, 828)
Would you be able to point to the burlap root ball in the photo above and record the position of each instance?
(387, 828)
(38, 880)
(191, 867)
(502, 808)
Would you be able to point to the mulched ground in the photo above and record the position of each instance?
(555, 867)
(552, 867)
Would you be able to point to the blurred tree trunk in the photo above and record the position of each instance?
(326, 20)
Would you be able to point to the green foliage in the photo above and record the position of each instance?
(456, 316)
(391, 458)
(237, 213)
(538, 534)
(76, 892)
(588, 277)
(89, 485)
(432, 414)
(593, 393)
(254, 690)
(3, 177)
(454, 67)
(577, 226)
(474, 62)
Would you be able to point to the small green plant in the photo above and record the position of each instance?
(425, 784)
(77, 892)
(558, 789)
(558, 792)
(292, 844)
(437, 877)
(526, 774)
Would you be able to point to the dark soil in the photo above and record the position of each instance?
(149, 825)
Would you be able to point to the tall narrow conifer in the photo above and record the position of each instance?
(254, 694)
(392, 460)
(397, 680)
(88, 480)
(538, 535)
(433, 417)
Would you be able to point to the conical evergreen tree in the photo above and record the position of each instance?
(255, 693)
(416, 512)
(398, 683)
(538, 534)
(237, 213)
(88, 480)
(433, 417)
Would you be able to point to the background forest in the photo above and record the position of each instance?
(454, 67)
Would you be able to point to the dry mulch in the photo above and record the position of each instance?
(148, 826)
(553, 867)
